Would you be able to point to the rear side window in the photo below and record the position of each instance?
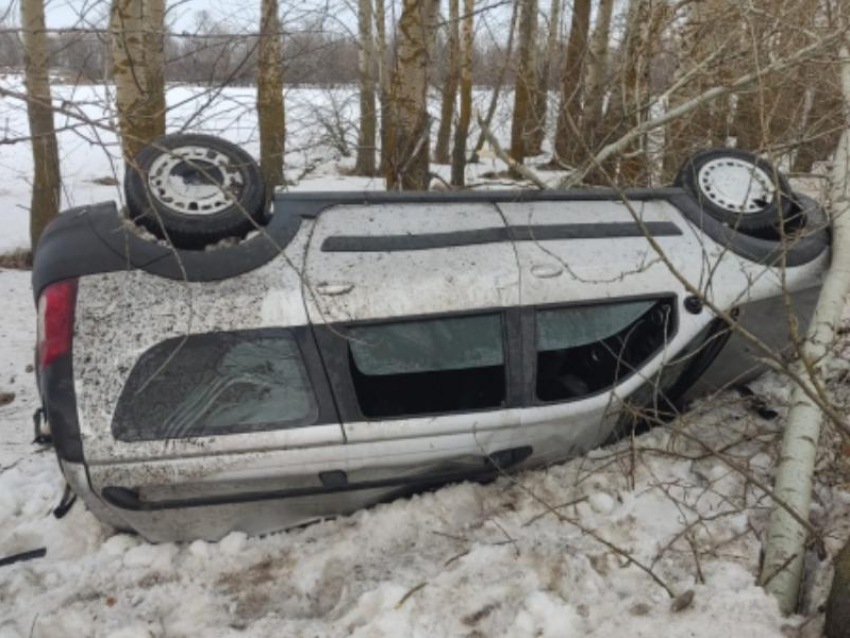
(431, 366)
(216, 383)
(582, 350)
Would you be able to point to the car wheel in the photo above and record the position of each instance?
(195, 190)
(738, 189)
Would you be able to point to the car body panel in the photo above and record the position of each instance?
(355, 263)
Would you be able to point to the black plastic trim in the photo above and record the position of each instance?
(60, 407)
(492, 465)
(429, 241)
(798, 251)
(97, 239)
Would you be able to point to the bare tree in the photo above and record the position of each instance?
(541, 100)
(567, 142)
(823, 121)
(526, 82)
(383, 75)
(154, 41)
(45, 153)
(270, 96)
(365, 164)
(497, 87)
(785, 540)
(596, 70)
(447, 110)
(462, 132)
(127, 25)
(407, 147)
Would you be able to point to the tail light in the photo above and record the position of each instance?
(56, 321)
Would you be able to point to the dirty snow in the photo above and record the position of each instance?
(467, 560)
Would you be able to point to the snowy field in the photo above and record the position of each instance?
(467, 560)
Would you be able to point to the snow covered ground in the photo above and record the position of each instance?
(467, 560)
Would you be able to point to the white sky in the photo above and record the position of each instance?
(338, 15)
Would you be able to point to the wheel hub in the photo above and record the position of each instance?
(195, 180)
(736, 185)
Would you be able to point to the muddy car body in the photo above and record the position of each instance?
(365, 345)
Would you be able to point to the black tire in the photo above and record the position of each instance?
(754, 216)
(195, 190)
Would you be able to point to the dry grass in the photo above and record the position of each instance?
(20, 259)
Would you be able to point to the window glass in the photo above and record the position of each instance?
(429, 366)
(581, 325)
(426, 346)
(583, 350)
(216, 384)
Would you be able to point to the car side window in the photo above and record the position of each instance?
(217, 383)
(583, 350)
(428, 366)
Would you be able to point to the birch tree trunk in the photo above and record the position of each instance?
(408, 133)
(383, 76)
(596, 69)
(447, 110)
(365, 164)
(568, 143)
(705, 33)
(131, 75)
(494, 99)
(822, 127)
(154, 11)
(541, 100)
(462, 132)
(785, 541)
(270, 96)
(46, 192)
(526, 82)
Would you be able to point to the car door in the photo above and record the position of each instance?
(602, 312)
(205, 401)
(415, 308)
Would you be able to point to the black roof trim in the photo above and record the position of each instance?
(429, 241)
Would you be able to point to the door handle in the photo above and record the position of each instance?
(546, 271)
(334, 290)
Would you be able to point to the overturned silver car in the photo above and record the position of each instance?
(365, 345)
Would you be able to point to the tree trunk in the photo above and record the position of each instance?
(270, 96)
(705, 33)
(541, 99)
(408, 135)
(462, 132)
(494, 99)
(127, 24)
(383, 76)
(45, 154)
(596, 69)
(629, 97)
(838, 604)
(822, 126)
(785, 541)
(365, 164)
(526, 82)
(568, 143)
(155, 57)
(441, 150)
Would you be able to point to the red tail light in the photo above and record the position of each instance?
(56, 320)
